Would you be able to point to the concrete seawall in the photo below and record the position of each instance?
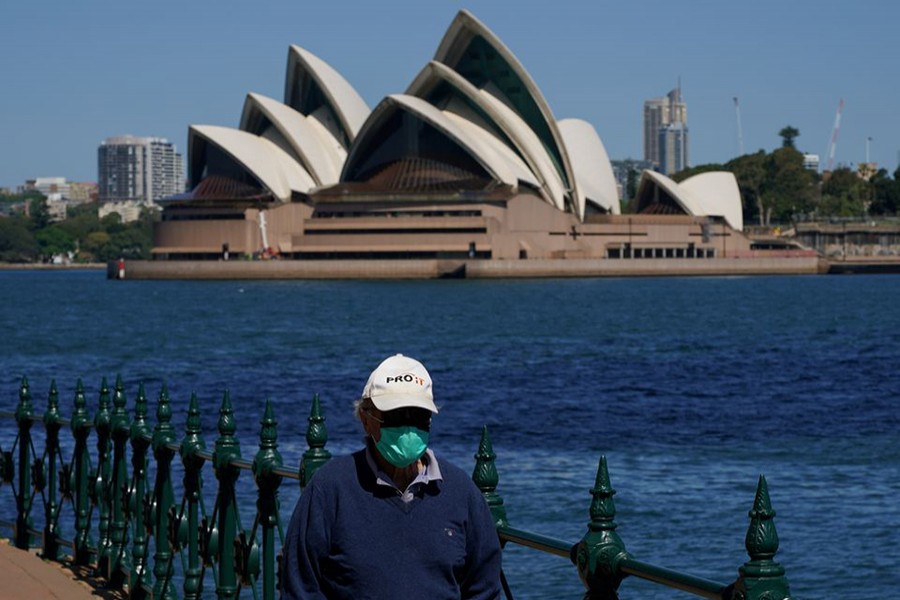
(470, 269)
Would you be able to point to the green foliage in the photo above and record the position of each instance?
(791, 188)
(885, 193)
(631, 184)
(54, 240)
(788, 134)
(751, 173)
(844, 194)
(82, 234)
(16, 198)
(691, 171)
(17, 243)
(774, 187)
(40, 214)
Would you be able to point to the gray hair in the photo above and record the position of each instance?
(361, 405)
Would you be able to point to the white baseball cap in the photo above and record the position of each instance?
(400, 381)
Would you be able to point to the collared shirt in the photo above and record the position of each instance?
(431, 472)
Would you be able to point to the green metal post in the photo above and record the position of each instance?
(102, 482)
(226, 450)
(163, 498)
(316, 438)
(24, 492)
(761, 577)
(140, 443)
(600, 551)
(486, 478)
(267, 482)
(118, 525)
(191, 445)
(81, 429)
(52, 425)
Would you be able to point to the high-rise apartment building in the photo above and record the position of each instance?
(139, 169)
(666, 132)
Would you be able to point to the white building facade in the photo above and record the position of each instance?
(138, 169)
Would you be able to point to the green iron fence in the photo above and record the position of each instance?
(129, 526)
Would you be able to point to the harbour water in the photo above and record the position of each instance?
(692, 387)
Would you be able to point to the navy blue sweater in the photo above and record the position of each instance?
(350, 538)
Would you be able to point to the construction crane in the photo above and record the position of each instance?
(740, 130)
(834, 134)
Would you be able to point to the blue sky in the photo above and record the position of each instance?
(75, 73)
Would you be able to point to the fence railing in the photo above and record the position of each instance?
(135, 533)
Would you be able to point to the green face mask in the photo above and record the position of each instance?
(402, 446)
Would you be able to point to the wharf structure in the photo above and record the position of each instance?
(468, 164)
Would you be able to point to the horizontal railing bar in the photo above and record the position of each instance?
(680, 581)
(242, 463)
(287, 473)
(536, 541)
(39, 418)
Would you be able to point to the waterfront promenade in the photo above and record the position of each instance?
(25, 575)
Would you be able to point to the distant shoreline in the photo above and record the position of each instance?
(49, 267)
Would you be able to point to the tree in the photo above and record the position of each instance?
(750, 172)
(787, 136)
(885, 193)
(774, 187)
(17, 243)
(790, 188)
(844, 194)
(53, 241)
(94, 244)
(40, 214)
(691, 171)
(631, 184)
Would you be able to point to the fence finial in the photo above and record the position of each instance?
(600, 551)
(486, 478)
(761, 577)
(316, 438)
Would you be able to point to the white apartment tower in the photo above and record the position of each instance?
(666, 132)
(139, 169)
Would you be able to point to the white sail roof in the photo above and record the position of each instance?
(590, 162)
(313, 146)
(506, 120)
(498, 160)
(269, 164)
(339, 97)
(713, 194)
(465, 47)
(717, 194)
(682, 198)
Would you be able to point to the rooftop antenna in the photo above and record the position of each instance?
(740, 131)
(868, 141)
(834, 134)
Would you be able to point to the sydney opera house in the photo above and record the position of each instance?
(468, 163)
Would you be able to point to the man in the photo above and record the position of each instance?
(390, 521)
